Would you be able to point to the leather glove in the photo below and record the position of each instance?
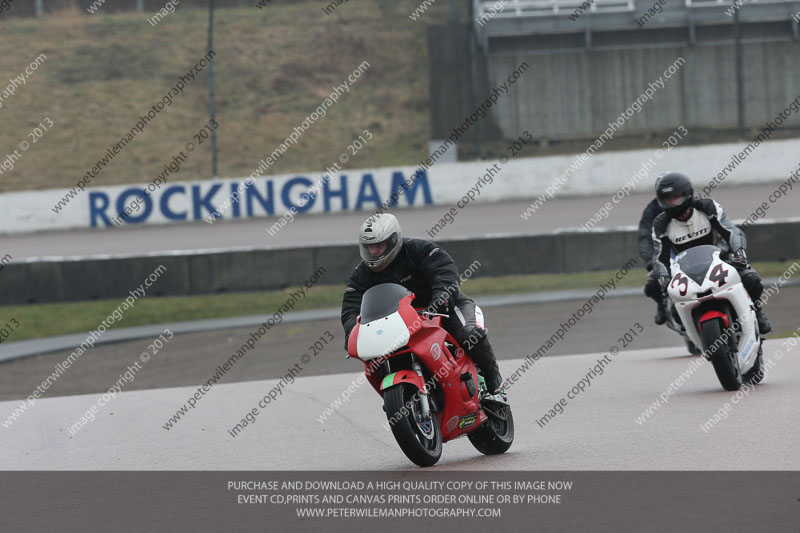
(739, 259)
(440, 303)
(664, 282)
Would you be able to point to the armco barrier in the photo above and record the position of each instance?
(263, 269)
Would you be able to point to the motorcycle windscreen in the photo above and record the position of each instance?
(381, 301)
(696, 261)
(382, 329)
(382, 336)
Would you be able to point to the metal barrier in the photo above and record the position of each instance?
(540, 8)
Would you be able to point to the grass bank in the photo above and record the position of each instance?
(44, 320)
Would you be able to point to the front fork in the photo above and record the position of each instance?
(423, 398)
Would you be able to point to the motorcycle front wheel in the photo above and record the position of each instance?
(419, 438)
(722, 357)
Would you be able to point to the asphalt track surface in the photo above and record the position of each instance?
(190, 359)
(477, 219)
(597, 430)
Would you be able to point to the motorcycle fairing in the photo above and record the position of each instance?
(382, 336)
(725, 288)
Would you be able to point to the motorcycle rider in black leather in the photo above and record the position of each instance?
(688, 222)
(645, 236)
(430, 273)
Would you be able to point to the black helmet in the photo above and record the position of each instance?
(674, 193)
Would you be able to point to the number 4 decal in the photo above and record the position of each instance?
(719, 274)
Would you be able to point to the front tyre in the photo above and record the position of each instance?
(725, 362)
(496, 435)
(420, 439)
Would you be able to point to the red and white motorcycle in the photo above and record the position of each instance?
(432, 391)
(718, 315)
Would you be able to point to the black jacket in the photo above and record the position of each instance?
(649, 214)
(422, 267)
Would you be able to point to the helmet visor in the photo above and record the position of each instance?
(672, 200)
(375, 251)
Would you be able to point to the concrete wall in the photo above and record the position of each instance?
(580, 92)
(453, 93)
(53, 281)
(443, 184)
(577, 92)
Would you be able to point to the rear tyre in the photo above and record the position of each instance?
(496, 435)
(420, 439)
(725, 362)
(755, 374)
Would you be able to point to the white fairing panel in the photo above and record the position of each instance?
(382, 337)
(479, 320)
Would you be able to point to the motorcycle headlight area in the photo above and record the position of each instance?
(382, 336)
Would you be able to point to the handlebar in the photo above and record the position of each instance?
(428, 313)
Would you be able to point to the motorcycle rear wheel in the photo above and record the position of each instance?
(723, 358)
(496, 435)
(420, 440)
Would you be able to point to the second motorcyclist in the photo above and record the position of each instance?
(687, 222)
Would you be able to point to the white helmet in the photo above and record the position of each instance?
(379, 228)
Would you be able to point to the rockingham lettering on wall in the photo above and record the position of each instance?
(261, 198)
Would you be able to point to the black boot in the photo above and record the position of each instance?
(483, 355)
(764, 325)
(661, 313)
